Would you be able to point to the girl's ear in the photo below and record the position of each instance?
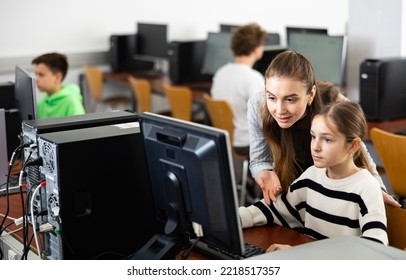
(355, 145)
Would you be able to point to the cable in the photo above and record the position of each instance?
(10, 218)
(11, 163)
(42, 184)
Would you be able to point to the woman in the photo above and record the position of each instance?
(279, 125)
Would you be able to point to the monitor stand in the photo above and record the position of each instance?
(167, 245)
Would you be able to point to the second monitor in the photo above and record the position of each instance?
(193, 185)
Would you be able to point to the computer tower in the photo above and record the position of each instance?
(31, 129)
(98, 192)
(186, 61)
(383, 88)
(123, 54)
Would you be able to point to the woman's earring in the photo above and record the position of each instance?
(309, 104)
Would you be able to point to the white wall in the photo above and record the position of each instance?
(374, 31)
(29, 28)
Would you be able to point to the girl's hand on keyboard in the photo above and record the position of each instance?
(276, 247)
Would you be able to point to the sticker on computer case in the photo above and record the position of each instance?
(127, 125)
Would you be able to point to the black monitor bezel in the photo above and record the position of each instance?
(25, 92)
(150, 123)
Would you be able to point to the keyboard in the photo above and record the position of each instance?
(250, 250)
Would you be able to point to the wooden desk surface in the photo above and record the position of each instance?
(390, 126)
(262, 237)
(15, 211)
(157, 82)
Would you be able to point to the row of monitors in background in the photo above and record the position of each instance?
(198, 60)
(19, 101)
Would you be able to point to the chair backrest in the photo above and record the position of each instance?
(142, 91)
(180, 100)
(94, 78)
(220, 114)
(396, 226)
(391, 149)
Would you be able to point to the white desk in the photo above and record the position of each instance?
(337, 248)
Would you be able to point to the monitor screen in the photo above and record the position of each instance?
(218, 52)
(152, 40)
(326, 53)
(290, 30)
(25, 94)
(191, 173)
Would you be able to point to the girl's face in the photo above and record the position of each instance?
(287, 99)
(328, 146)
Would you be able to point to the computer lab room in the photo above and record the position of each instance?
(124, 135)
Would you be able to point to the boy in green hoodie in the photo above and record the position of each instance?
(60, 100)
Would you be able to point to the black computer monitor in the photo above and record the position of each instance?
(228, 27)
(12, 118)
(308, 30)
(152, 40)
(326, 53)
(25, 94)
(193, 185)
(268, 55)
(218, 52)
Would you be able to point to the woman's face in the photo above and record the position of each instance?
(287, 99)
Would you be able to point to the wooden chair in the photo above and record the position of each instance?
(396, 226)
(221, 116)
(95, 82)
(142, 92)
(391, 149)
(180, 100)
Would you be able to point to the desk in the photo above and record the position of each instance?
(337, 248)
(16, 237)
(263, 237)
(157, 82)
(390, 126)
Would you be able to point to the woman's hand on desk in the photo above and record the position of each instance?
(276, 247)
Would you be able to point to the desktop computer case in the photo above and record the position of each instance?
(98, 195)
(122, 52)
(186, 61)
(31, 129)
(383, 88)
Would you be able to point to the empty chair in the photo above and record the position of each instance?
(396, 226)
(95, 82)
(180, 100)
(391, 149)
(221, 116)
(142, 92)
